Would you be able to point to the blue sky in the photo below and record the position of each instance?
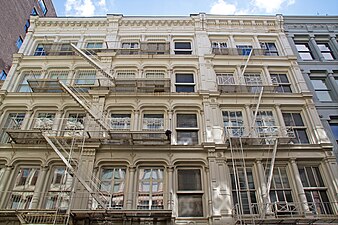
(186, 7)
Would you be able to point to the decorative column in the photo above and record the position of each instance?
(136, 120)
(38, 188)
(315, 48)
(282, 131)
(262, 179)
(3, 185)
(170, 197)
(333, 81)
(334, 42)
(249, 117)
(267, 76)
(130, 194)
(299, 186)
(26, 121)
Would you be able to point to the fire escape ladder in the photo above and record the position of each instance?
(268, 185)
(257, 108)
(95, 194)
(95, 64)
(97, 116)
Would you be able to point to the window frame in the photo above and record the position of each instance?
(237, 125)
(249, 189)
(123, 122)
(19, 42)
(190, 85)
(151, 181)
(115, 202)
(184, 50)
(326, 52)
(85, 78)
(282, 86)
(318, 91)
(268, 50)
(190, 192)
(194, 130)
(59, 193)
(155, 123)
(43, 6)
(23, 86)
(306, 51)
(296, 128)
(316, 186)
(19, 189)
(46, 121)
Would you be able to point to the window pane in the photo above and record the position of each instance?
(187, 137)
(306, 56)
(189, 180)
(182, 45)
(186, 120)
(334, 129)
(185, 88)
(190, 205)
(184, 78)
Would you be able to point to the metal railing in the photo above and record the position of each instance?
(260, 132)
(260, 211)
(67, 200)
(241, 51)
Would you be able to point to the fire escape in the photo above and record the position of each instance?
(69, 142)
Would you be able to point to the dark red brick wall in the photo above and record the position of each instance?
(13, 17)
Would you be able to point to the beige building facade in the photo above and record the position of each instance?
(200, 120)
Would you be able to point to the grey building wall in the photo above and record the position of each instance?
(13, 17)
(319, 65)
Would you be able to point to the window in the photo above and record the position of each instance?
(155, 74)
(19, 42)
(280, 191)
(253, 80)
(269, 48)
(182, 48)
(27, 24)
(42, 49)
(315, 190)
(153, 122)
(43, 6)
(150, 189)
(120, 121)
(219, 47)
(2, 170)
(23, 190)
(190, 193)
(130, 45)
(322, 91)
(334, 129)
(24, 85)
(244, 49)
(187, 129)
(112, 184)
(85, 77)
(13, 121)
(74, 124)
(265, 124)
(243, 190)
(155, 48)
(44, 121)
(225, 78)
(61, 75)
(34, 12)
(233, 123)
(3, 75)
(326, 51)
(126, 74)
(94, 45)
(295, 122)
(282, 81)
(304, 51)
(59, 191)
(185, 82)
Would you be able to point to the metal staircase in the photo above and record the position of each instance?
(94, 63)
(87, 105)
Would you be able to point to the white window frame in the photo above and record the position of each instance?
(186, 129)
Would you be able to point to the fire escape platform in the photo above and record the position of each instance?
(139, 137)
(26, 136)
(111, 214)
(45, 85)
(289, 219)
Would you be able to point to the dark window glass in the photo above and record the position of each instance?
(189, 180)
